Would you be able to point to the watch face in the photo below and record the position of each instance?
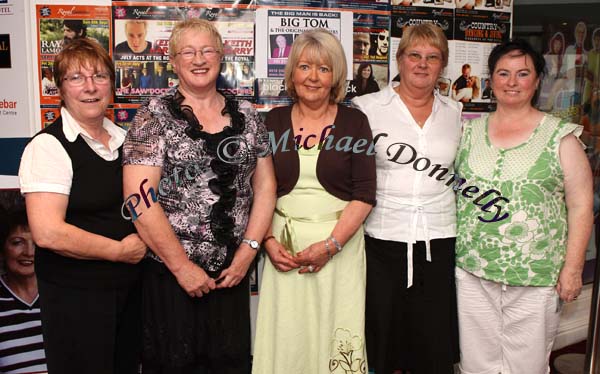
(252, 243)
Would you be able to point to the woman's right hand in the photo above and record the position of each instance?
(133, 249)
(280, 258)
(194, 280)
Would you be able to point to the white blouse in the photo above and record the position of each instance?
(45, 164)
(415, 169)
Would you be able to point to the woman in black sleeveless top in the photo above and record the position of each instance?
(85, 263)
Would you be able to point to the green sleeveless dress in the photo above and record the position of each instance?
(312, 323)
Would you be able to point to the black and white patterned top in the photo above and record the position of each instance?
(21, 342)
(205, 187)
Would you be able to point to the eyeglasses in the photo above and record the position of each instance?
(207, 52)
(80, 79)
(382, 37)
(431, 59)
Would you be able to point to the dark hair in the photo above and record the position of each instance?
(362, 67)
(524, 49)
(12, 214)
(76, 25)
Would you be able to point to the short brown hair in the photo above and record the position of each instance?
(83, 53)
(197, 24)
(424, 33)
(321, 47)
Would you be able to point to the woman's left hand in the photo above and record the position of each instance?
(569, 284)
(234, 274)
(314, 257)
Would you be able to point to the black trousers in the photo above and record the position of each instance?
(91, 331)
(414, 328)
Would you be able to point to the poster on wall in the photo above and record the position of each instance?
(571, 87)
(141, 49)
(229, 3)
(370, 53)
(490, 5)
(328, 4)
(275, 34)
(277, 29)
(442, 15)
(57, 26)
(467, 79)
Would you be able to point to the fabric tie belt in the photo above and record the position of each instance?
(413, 233)
(288, 235)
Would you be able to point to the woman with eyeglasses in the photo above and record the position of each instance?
(199, 176)
(87, 253)
(411, 317)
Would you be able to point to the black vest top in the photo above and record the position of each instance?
(95, 203)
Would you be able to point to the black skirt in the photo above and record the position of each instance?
(210, 334)
(414, 328)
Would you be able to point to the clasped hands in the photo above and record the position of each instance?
(196, 282)
(309, 260)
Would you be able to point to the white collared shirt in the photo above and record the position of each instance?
(45, 164)
(412, 205)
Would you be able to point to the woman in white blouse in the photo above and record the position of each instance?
(86, 254)
(411, 318)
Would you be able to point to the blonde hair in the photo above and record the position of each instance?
(320, 47)
(424, 33)
(196, 24)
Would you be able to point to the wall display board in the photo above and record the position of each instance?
(16, 106)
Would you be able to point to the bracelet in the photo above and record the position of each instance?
(337, 244)
(268, 238)
(327, 249)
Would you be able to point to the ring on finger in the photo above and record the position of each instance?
(310, 268)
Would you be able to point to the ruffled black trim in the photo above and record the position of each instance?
(222, 222)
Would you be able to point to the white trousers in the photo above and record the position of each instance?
(505, 329)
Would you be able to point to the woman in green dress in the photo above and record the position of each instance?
(312, 301)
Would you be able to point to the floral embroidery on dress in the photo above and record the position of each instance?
(347, 356)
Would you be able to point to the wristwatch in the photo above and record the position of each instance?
(252, 243)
